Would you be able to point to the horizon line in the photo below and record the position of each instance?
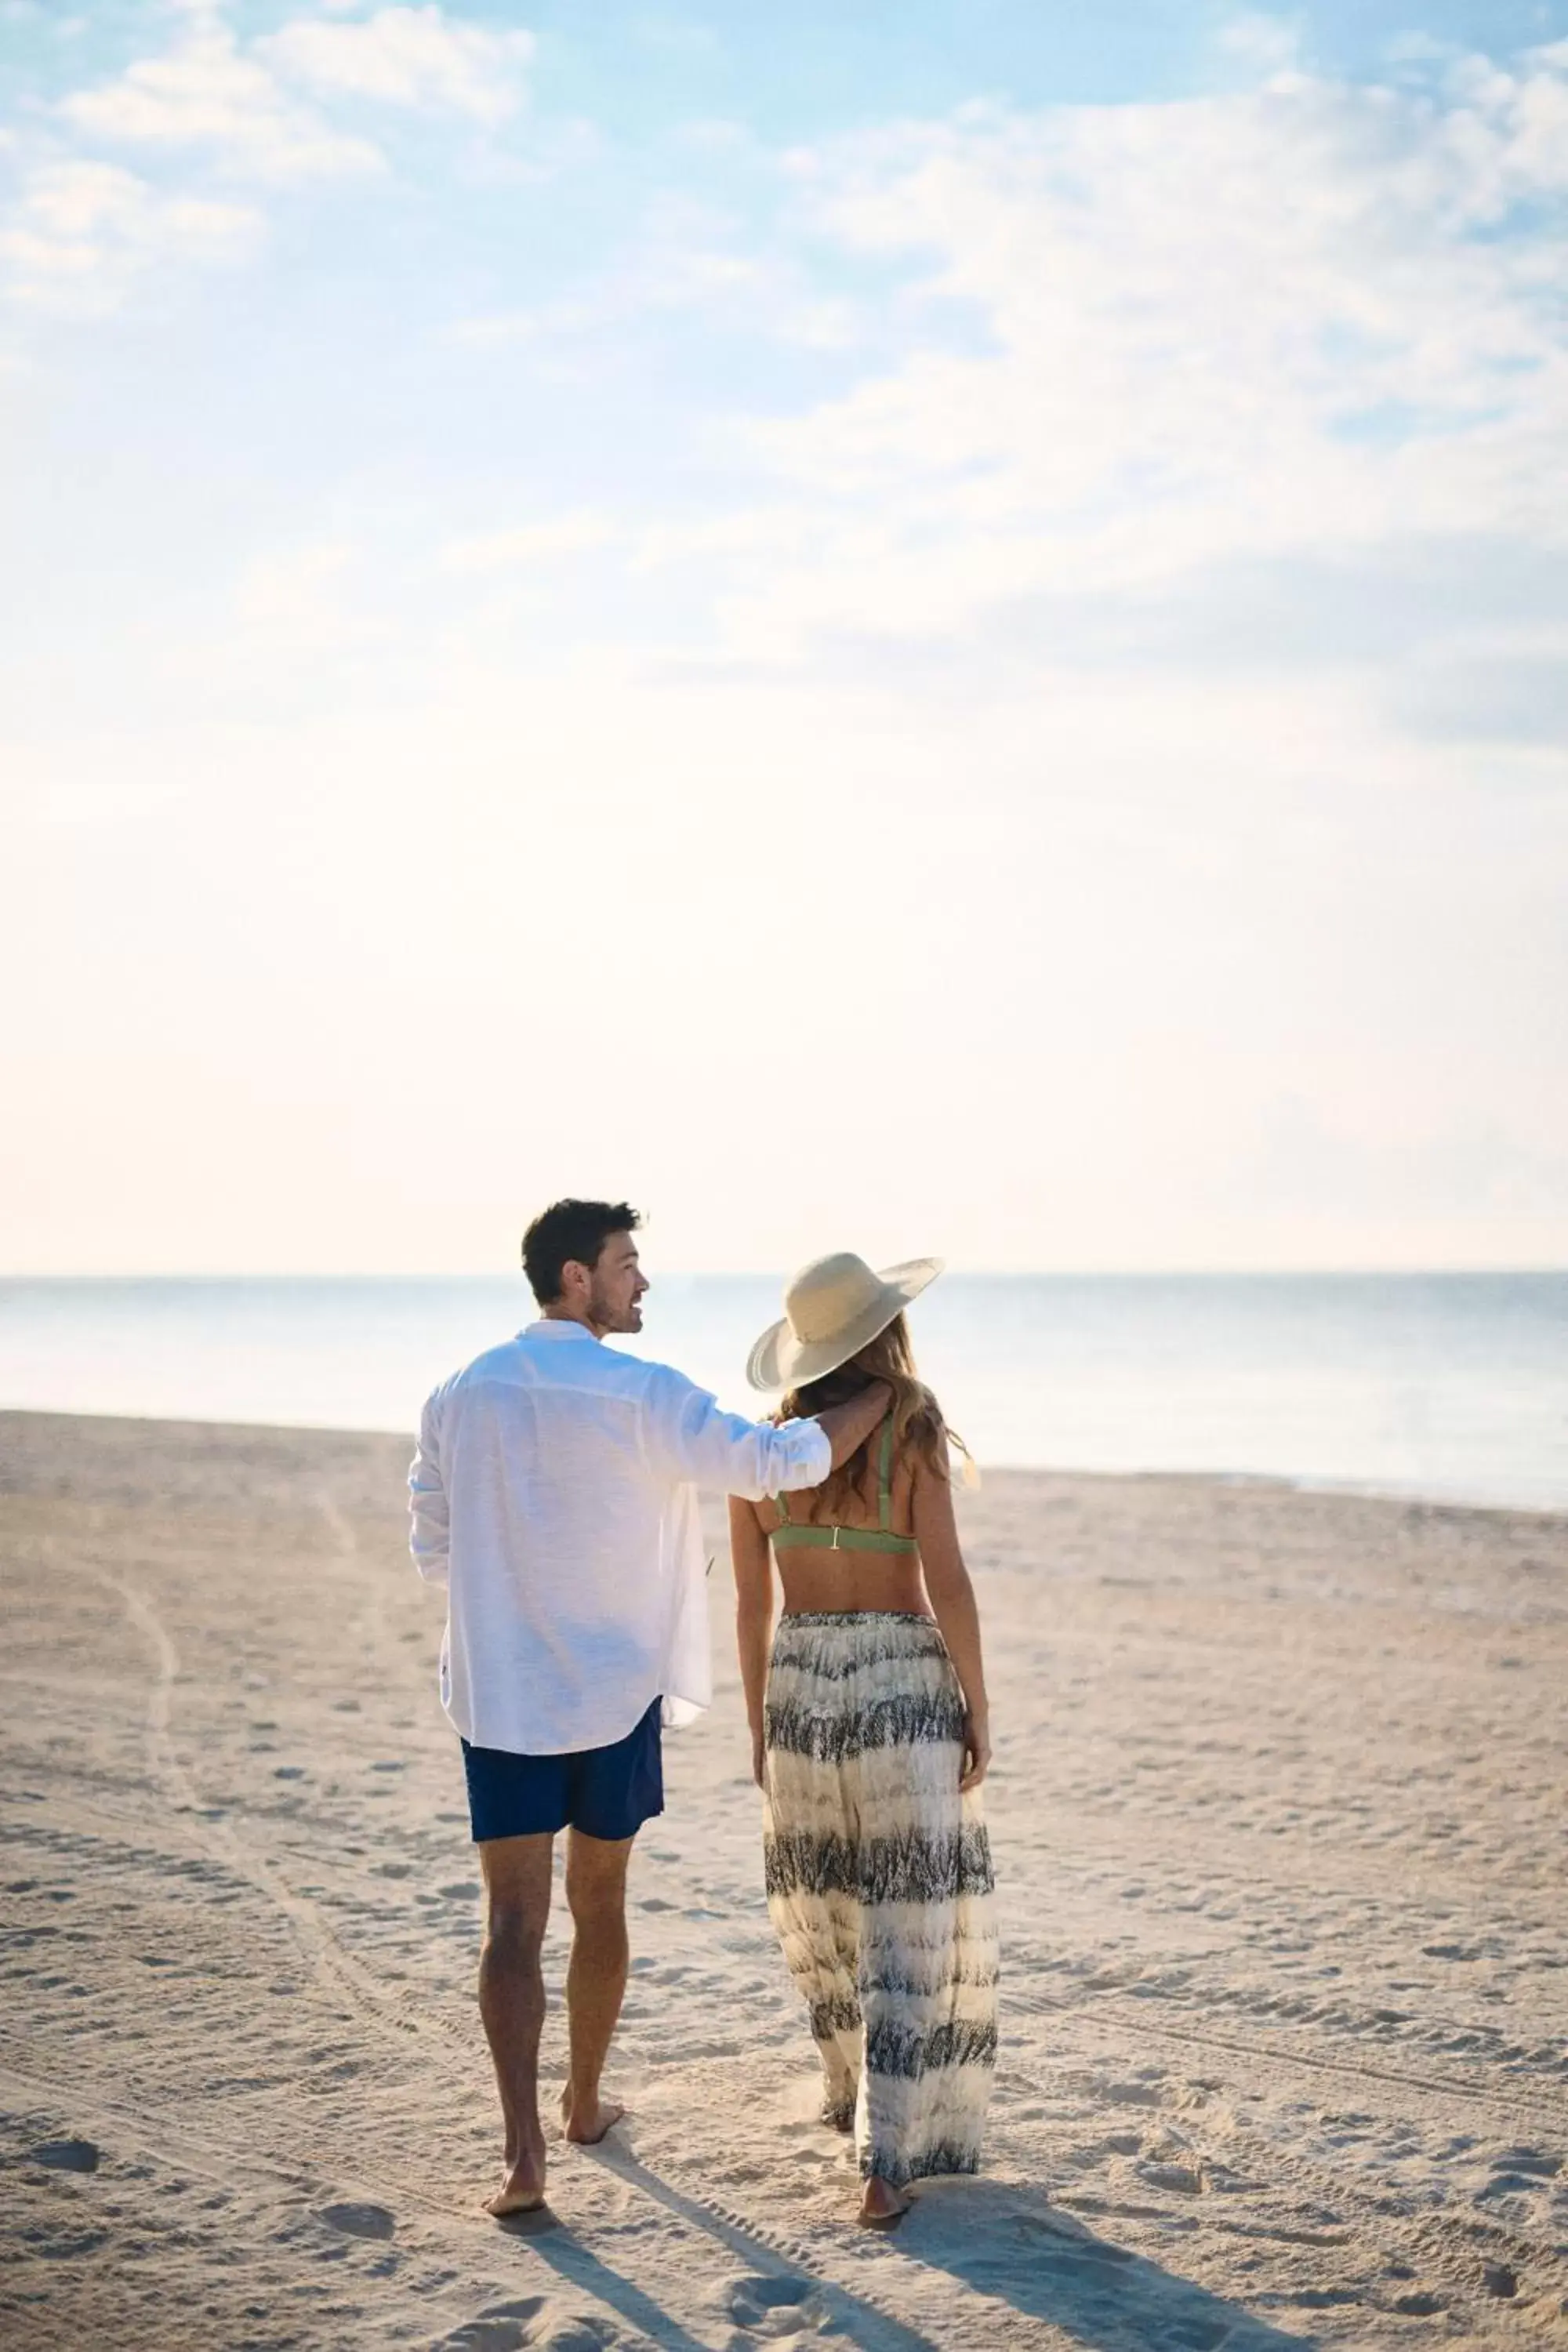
(1295, 1272)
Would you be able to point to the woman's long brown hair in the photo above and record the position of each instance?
(917, 1417)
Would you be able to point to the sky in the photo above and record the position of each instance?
(939, 633)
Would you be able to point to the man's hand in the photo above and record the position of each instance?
(848, 1426)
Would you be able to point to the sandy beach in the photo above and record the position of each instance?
(1278, 1814)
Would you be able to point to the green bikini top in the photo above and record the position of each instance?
(832, 1539)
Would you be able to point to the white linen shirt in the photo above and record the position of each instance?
(554, 1494)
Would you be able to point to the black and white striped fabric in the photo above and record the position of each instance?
(880, 1883)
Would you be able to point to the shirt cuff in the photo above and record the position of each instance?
(813, 1449)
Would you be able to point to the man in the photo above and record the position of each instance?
(553, 1493)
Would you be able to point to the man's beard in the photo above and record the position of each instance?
(613, 1318)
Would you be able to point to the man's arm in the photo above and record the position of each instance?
(694, 1439)
(428, 1515)
(848, 1426)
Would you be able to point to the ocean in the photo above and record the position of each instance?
(1452, 1386)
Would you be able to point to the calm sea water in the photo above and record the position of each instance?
(1416, 1384)
(1447, 1385)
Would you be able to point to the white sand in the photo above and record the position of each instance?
(1279, 1822)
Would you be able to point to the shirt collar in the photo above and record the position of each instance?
(557, 1327)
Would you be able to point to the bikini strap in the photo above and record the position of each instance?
(781, 1499)
(884, 1478)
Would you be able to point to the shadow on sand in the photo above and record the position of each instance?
(767, 2294)
(1007, 2245)
(1011, 2243)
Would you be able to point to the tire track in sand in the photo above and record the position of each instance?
(379, 2004)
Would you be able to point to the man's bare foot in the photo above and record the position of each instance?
(882, 2207)
(587, 2121)
(522, 2184)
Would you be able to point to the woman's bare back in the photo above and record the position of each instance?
(819, 1579)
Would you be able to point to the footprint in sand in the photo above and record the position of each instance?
(1142, 2093)
(1535, 2160)
(1519, 2173)
(775, 2307)
(501, 2328)
(360, 2220)
(1185, 2177)
(1068, 2243)
(66, 2155)
(535, 2321)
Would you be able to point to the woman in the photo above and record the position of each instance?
(869, 1741)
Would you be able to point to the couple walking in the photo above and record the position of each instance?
(554, 1493)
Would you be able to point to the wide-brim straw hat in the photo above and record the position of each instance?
(833, 1309)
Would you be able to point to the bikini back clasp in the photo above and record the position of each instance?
(831, 1537)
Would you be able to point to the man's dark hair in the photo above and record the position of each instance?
(571, 1229)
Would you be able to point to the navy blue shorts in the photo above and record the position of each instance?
(605, 1792)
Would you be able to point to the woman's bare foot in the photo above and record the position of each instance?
(586, 2121)
(882, 2207)
(522, 2184)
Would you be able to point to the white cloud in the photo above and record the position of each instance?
(299, 629)
(1419, 49)
(684, 256)
(209, 93)
(417, 57)
(1265, 45)
(1286, 340)
(1284, 325)
(297, 594)
(253, 111)
(532, 543)
(85, 227)
(82, 233)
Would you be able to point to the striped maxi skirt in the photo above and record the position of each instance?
(880, 1883)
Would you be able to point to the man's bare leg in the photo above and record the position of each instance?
(511, 2003)
(596, 1977)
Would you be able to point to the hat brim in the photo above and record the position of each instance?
(780, 1360)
